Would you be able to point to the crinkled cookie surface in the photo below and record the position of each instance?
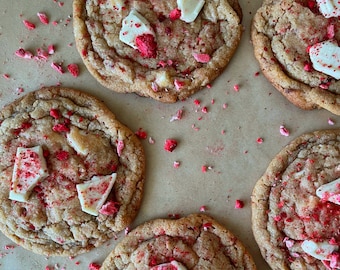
(286, 210)
(51, 222)
(174, 71)
(195, 242)
(282, 33)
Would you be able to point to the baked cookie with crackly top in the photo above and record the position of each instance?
(71, 175)
(296, 43)
(296, 204)
(166, 50)
(196, 241)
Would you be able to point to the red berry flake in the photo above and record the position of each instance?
(110, 208)
(43, 17)
(141, 134)
(175, 14)
(57, 67)
(202, 57)
(147, 45)
(22, 53)
(239, 204)
(29, 25)
(170, 145)
(60, 128)
(73, 69)
(55, 113)
(62, 155)
(94, 266)
(259, 140)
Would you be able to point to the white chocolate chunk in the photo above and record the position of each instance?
(325, 57)
(134, 25)
(78, 141)
(319, 250)
(93, 194)
(330, 191)
(29, 168)
(329, 8)
(118, 4)
(171, 265)
(189, 9)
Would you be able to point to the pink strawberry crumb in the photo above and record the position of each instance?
(73, 69)
(236, 87)
(110, 208)
(259, 140)
(239, 204)
(176, 164)
(201, 57)
(284, 131)
(147, 45)
(22, 53)
(170, 145)
(142, 134)
(43, 17)
(330, 122)
(179, 84)
(55, 113)
(175, 14)
(57, 67)
(29, 25)
(204, 168)
(203, 208)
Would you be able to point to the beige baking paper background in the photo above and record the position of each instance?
(225, 138)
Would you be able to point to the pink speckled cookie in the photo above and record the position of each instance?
(288, 36)
(84, 152)
(171, 59)
(295, 204)
(193, 242)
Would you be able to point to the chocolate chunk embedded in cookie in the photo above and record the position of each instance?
(71, 175)
(193, 242)
(166, 50)
(295, 204)
(296, 45)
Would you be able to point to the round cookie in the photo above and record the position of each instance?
(283, 32)
(177, 60)
(193, 242)
(289, 215)
(80, 141)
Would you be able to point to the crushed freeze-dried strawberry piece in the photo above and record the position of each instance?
(170, 145)
(202, 57)
(94, 266)
(146, 45)
(284, 131)
(179, 84)
(62, 155)
(142, 134)
(175, 14)
(259, 140)
(43, 17)
(239, 204)
(60, 128)
(29, 25)
(23, 53)
(55, 113)
(57, 67)
(73, 69)
(110, 208)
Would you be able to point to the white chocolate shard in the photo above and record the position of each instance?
(330, 191)
(319, 250)
(29, 168)
(93, 194)
(329, 8)
(134, 25)
(171, 265)
(190, 9)
(325, 57)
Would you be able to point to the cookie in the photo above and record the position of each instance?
(193, 242)
(166, 50)
(296, 45)
(71, 175)
(295, 204)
